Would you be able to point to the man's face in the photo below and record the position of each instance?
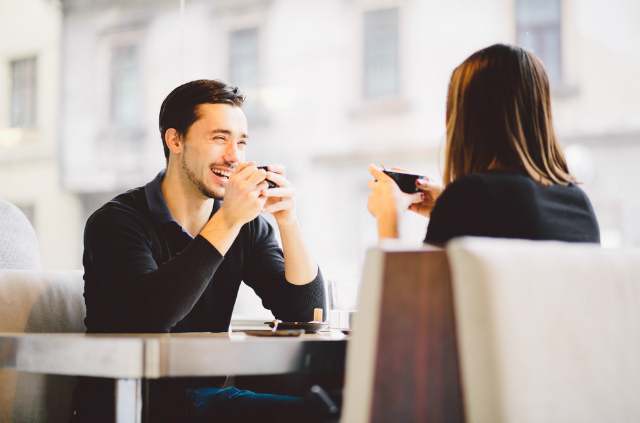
(213, 146)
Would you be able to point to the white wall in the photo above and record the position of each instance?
(29, 173)
(318, 124)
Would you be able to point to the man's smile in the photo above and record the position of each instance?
(221, 173)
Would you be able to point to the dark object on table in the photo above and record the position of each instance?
(308, 327)
(406, 181)
(271, 184)
(279, 332)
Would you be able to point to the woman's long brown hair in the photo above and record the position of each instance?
(499, 117)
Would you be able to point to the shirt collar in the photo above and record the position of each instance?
(158, 206)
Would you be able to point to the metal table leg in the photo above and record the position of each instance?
(128, 401)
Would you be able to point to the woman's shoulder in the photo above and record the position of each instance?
(470, 190)
(500, 192)
(463, 208)
(495, 177)
(472, 184)
(497, 182)
(488, 189)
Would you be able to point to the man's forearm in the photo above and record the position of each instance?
(220, 232)
(299, 266)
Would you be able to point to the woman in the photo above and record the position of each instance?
(505, 175)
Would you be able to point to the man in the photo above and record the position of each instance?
(170, 256)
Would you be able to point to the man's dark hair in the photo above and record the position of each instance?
(178, 110)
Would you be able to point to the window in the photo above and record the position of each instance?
(243, 58)
(125, 86)
(23, 93)
(244, 70)
(381, 61)
(538, 24)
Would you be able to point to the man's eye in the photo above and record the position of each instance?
(242, 144)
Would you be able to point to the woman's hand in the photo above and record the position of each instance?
(431, 193)
(386, 201)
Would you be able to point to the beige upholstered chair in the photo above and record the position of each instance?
(547, 331)
(517, 331)
(32, 300)
(18, 242)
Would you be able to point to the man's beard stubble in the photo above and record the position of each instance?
(197, 183)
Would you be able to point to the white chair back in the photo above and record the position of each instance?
(547, 331)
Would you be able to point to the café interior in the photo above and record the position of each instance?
(483, 326)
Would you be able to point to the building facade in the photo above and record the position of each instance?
(334, 85)
(29, 166)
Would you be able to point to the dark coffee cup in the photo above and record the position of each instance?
(405, 181)
(271, 184)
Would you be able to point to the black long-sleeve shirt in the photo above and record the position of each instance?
(144, 273)
(512, 205)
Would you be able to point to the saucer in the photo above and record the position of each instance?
(309, 327)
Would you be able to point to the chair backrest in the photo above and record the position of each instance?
(547, 331)
(402, 358)
(39, 301)
(36, 301)
(18, 242)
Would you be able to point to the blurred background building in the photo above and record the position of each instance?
(30, 72)
(332, 85)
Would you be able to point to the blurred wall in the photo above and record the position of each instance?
(29, 167)
(302, 64)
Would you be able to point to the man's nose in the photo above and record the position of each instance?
(231, 153)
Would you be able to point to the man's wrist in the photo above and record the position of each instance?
(286, 222)
(221, 232)
(222, 220)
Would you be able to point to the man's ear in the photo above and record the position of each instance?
(173, 141)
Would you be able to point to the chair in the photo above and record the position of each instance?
(547, 331)
(402, 363)
(32, 300)
(18, 241)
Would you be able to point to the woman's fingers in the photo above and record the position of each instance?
(424, 185)
(416, 198)
(377, 173)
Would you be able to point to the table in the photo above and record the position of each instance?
(131, 359)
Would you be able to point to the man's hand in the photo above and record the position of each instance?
(244, 200)
(299, 266)
(280, 200)
(244, 197)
